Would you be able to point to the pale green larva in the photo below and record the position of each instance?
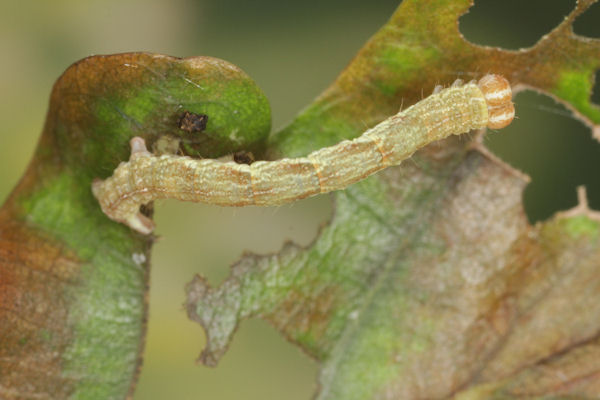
(145, 177)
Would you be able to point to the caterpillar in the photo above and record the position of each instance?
(145, 177)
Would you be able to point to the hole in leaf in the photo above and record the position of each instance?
(555, 150)
(588, 24)
(596, 88)
(512, 24)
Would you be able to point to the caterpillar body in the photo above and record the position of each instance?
(145, 177)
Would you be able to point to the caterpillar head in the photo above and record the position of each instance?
(498, 96)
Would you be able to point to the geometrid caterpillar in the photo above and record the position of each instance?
(146, 177)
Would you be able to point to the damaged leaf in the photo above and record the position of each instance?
(429, 282)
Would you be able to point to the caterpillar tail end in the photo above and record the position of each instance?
(498, 96)
(137, 221)
(129, 215)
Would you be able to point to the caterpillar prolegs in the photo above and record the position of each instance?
(455, 110)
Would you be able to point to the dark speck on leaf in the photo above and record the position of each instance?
(192, 122)
(243, 157)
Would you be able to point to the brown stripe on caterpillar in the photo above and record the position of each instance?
(454, 110)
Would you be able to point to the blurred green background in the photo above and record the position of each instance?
(293, 50)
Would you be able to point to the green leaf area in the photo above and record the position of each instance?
(429, 282)
(73, 284)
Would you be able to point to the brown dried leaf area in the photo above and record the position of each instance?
(34, 330)
(506, 310)
(544, 341)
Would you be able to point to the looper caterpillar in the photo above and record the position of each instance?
(145, 177)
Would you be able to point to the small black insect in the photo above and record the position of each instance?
(192, 122)
(243, 157)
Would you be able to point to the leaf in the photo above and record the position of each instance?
(429, 282)
(73, 284)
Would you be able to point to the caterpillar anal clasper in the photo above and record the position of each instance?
(145, 177)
